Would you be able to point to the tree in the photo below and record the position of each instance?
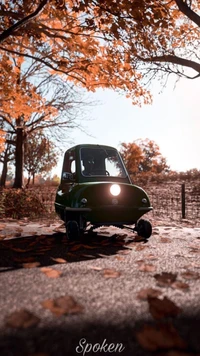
(143, 156)
(6, 157)
(106, 43)
(32, 99)
(40, 155)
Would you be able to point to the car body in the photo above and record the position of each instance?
(96, 189)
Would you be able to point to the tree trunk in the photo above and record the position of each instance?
(33, 180)
(5, 169)
(19, 158)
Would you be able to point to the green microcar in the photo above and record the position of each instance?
(95, 189)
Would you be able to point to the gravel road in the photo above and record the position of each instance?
(109, 277)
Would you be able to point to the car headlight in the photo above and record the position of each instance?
(115, 189)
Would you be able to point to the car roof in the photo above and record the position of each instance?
(91, 146)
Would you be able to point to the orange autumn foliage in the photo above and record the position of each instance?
(105, 43)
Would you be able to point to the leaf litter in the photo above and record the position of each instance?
(50, 272)
(22, 319)
(161, 336)
(162, 308)
(64, 305)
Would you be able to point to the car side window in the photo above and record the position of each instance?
(69, 166)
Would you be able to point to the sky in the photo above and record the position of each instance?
(172, 121)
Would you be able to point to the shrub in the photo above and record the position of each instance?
(18, 203)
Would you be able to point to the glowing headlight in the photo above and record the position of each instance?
(115, 189)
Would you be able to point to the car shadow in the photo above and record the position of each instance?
(43, 250)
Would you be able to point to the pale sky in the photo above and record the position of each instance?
(172, 121)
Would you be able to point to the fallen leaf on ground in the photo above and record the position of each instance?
(150, 257)
(119, 258)
(50, 272)
(111, 273)
(2, 226)
(147, 267)
(165, 240)
(165, 278)
(124, 252)
(102, 255)
(180, 285)
(95, 268)
(143, 294)
(140, 247)
(21, 319)
(190, 275)
(31, 264)
(71, 254)
(19, 229)
(87, 256)
(63, 305)
(16, 249)
(138, 238)
(89, 247)
(139, 262)
(161, 308)
(159, 337)
(59, 260)
(76, 247)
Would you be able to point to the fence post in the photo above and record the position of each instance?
(183, 200)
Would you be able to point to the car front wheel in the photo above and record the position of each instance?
(144, 228)
(72, 230)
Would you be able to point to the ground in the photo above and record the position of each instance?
(111, 292)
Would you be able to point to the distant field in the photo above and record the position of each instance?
(165, 199)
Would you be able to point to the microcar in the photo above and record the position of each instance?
(95, 190)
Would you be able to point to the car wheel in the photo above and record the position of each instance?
(72, 230)
(144, 228)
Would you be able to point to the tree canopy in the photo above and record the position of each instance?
(120, 44)
(143, 156)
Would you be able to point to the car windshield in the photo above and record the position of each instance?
(101, 162)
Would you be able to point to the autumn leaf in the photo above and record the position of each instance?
(159, 337)
(143, 294)
(86, 256)
(150, 256)
(165, 278)
(165, 240)
(144, 267)
(140, 247)
(21, 319)
(31, 264)
(63, 305)
(190, 275)
(59, 260)
(124, 252)
(76, 247)
(119, 258)
(111, 273)
(89, 247)
(180, 285)
(162, 308)
(95, 268)
(50, 272)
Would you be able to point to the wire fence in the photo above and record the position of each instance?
(176, 201)
(167, 199)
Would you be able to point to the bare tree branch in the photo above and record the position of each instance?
(5, 34)
(175, 60)
(187, 11)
